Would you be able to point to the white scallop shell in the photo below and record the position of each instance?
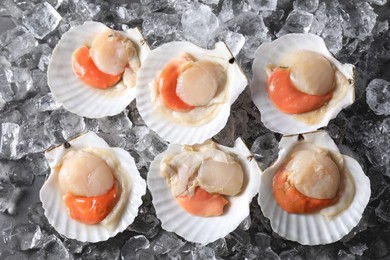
(272, 53)
(55, 209)
(200, 229)
(313, 229)
(174, 131)
(72, 93)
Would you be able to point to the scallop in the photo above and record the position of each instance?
(87, 166)
(208, 83)
(113, 52)
(319, 153)
(197, 229)
(314, 71)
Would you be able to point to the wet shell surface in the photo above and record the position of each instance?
(71, 92)
(163, 123)
(204, 230)
(273, 53)
(52, 197)
(313, 229)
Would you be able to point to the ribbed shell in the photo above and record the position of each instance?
(55, 209)
(272, 53)
(71, 92)
(200, 229)
(313, 229)
(173, 131)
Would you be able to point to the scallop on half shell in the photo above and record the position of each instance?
(132, 187)
(201, 123)
(271, 54)
(197, 229)
(78, 97)
(326, 225)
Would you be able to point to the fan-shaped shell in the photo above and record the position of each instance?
(313, 229)
(272, 53)
(55, 209)
(200, 229)
(166, 126)
(71, 92)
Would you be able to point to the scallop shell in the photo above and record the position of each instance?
(200, 229)
(72, 93)
(55, 209)
(272, 53)
(313, 229)
(177, 132)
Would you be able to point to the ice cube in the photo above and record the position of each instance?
(378, 96)
(74, 246)
(378, 2)
(263, 240)
(166, 243)
(203, 252)
(263, 5)
(359, 20)
(23, 236)
(114, 140)
(62, 125)
(47, 103)
(133, 245)
(306, 5)
(35, 215)
(226, 12)
(357, 248)
(297, 22)
(227, 135)
(33, 136)
(265, 149)
(345, 256)
(145, 223)
(9, 139)
(9, 196)
(154, 5)
(12, 8)
(40, 81)
(101, 251)
(161, 28)
(20, 174)
(45, 57)
(115, 124)
(17, 83)
(41, 20)
(37, 164)
(235, 41)
(291, 254)
(53, 249)
(199, 25)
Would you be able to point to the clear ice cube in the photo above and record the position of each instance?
(115, 124)
(263, 5)
(166, 243)
(297, 22)
(23, 236)
(265, 149)
(199, 25)
(9, 139)
(133, 245)
(378, 96)
(41, 20)
(306, 5)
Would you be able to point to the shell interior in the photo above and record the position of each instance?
(171, 130)
(55, 210)
(272, 53)
(313, 229)
(199, 229)
(71, 92)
